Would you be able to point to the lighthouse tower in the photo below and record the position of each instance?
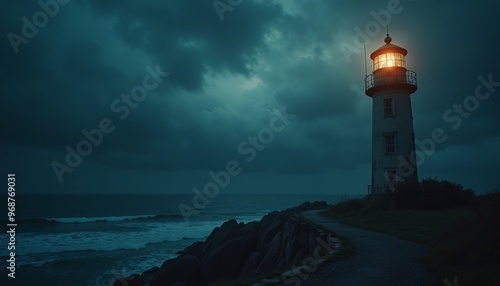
(393, 141)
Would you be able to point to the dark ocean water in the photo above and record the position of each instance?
(92, 239)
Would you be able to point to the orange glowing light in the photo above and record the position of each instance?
(388, 60)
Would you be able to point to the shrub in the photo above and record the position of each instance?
(349, 206)
(432, 194)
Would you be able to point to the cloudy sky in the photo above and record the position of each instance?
(207, 77)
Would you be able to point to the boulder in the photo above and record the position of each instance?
(267, 220)
(304, 231)
(150, 273)
(226, 260)
(290, 240)
(268, 262)
(269, 230)
(224, 233)
(132, 280)
(300, 255)
(251, 227)
(249, 269)
(184, 269)
(313, 240)
(194, 249)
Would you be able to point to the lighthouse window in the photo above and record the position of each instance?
(388, 108)
(388, 60)
(390, 144)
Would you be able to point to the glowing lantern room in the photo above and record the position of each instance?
(389, 70)
(389, 55)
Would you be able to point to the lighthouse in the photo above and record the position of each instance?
(393, 140)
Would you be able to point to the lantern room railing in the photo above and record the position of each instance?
(379, 80)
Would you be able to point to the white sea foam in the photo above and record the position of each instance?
(145, 233)
(139, 263)
(98, 219)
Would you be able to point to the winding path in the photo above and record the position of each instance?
(380, 260)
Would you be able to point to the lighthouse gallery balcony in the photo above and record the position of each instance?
(402, 78)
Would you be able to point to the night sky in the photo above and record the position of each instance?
(207, 76)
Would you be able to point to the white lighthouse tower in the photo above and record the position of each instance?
(393, 141)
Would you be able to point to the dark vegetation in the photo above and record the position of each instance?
(460, 230)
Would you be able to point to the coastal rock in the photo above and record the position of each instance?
(219, 235)
(150, 271)
(149, 274)
(184, 269)
(270, 228)
(290, 240)
(226, 261)
(300, 255)
(268, 262)
(251, 227)
(313, 205)
(304, 235)
(238, 251)
(132, 280)
(313, 239)
(194, 249)
(249, 270)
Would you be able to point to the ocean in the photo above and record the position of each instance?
(81, 240)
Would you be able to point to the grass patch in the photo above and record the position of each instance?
(413, 225)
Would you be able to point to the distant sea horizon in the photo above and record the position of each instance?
(90, 239)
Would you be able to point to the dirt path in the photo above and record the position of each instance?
(380, 260)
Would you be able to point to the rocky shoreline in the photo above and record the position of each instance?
(280, 245)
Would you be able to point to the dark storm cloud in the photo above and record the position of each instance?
(225, 80)
(310, 96)
(186, 37)
(70, 77)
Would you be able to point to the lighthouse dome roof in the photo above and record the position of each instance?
(388, 48)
